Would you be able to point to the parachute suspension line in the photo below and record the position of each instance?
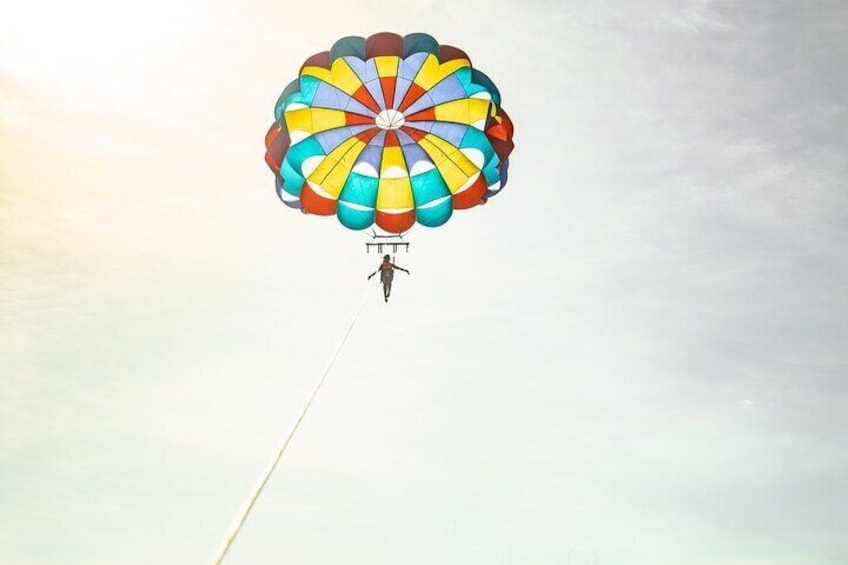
(388, 241)
(266, 475)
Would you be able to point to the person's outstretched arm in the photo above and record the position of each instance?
(372, 274)
(401, 269)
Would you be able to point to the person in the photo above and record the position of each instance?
(387, 273)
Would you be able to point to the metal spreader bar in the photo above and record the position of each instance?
(390, 244)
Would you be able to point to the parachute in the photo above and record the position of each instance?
(389, 130)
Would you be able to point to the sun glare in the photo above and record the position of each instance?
(65, 47)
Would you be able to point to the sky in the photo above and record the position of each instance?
(635, 354)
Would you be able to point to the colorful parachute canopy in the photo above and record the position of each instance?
(391, 130)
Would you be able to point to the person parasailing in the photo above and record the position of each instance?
(387, 273)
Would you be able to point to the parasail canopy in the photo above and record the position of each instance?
(389, 130)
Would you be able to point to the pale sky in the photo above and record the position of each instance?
(635, 355)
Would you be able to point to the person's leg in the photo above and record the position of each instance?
(387, 286)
